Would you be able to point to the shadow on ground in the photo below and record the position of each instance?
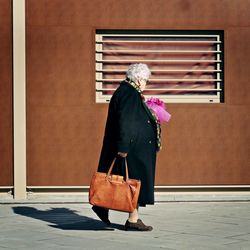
(65, 219)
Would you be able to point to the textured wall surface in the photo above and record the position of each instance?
(202, 144)
(6, 159)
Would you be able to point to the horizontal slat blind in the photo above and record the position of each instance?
(185, 67)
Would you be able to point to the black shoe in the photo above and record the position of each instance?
(102, 213)
(137, 226)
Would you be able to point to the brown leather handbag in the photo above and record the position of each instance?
(113, 192)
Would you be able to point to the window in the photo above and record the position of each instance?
(186, 66)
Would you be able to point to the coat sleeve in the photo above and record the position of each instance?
(129, 102)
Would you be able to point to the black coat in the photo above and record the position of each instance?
(130, 129)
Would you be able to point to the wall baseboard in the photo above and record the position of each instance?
(160, 196)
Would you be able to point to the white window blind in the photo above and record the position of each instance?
(186, 66)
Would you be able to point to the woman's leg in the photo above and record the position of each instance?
(135, 224)
(134, 216)
(102, 213)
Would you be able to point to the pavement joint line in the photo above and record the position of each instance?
(82, 202)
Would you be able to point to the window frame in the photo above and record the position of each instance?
(178, 98)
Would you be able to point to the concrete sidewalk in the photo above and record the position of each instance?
(177, 225)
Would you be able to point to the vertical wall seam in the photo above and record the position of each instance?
(19, 99)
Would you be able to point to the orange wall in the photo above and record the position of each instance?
(6, 159)
(203, 143)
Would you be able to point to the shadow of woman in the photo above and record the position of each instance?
(65, 219)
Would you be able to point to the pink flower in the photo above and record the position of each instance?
(159, 109)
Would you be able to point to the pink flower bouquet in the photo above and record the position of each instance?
(159, 109)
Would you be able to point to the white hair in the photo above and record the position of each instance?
(138, 71)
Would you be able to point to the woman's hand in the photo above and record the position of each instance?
(122, 154)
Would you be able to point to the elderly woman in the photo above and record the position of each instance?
(131, 132)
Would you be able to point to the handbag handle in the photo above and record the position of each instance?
(112, 165)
